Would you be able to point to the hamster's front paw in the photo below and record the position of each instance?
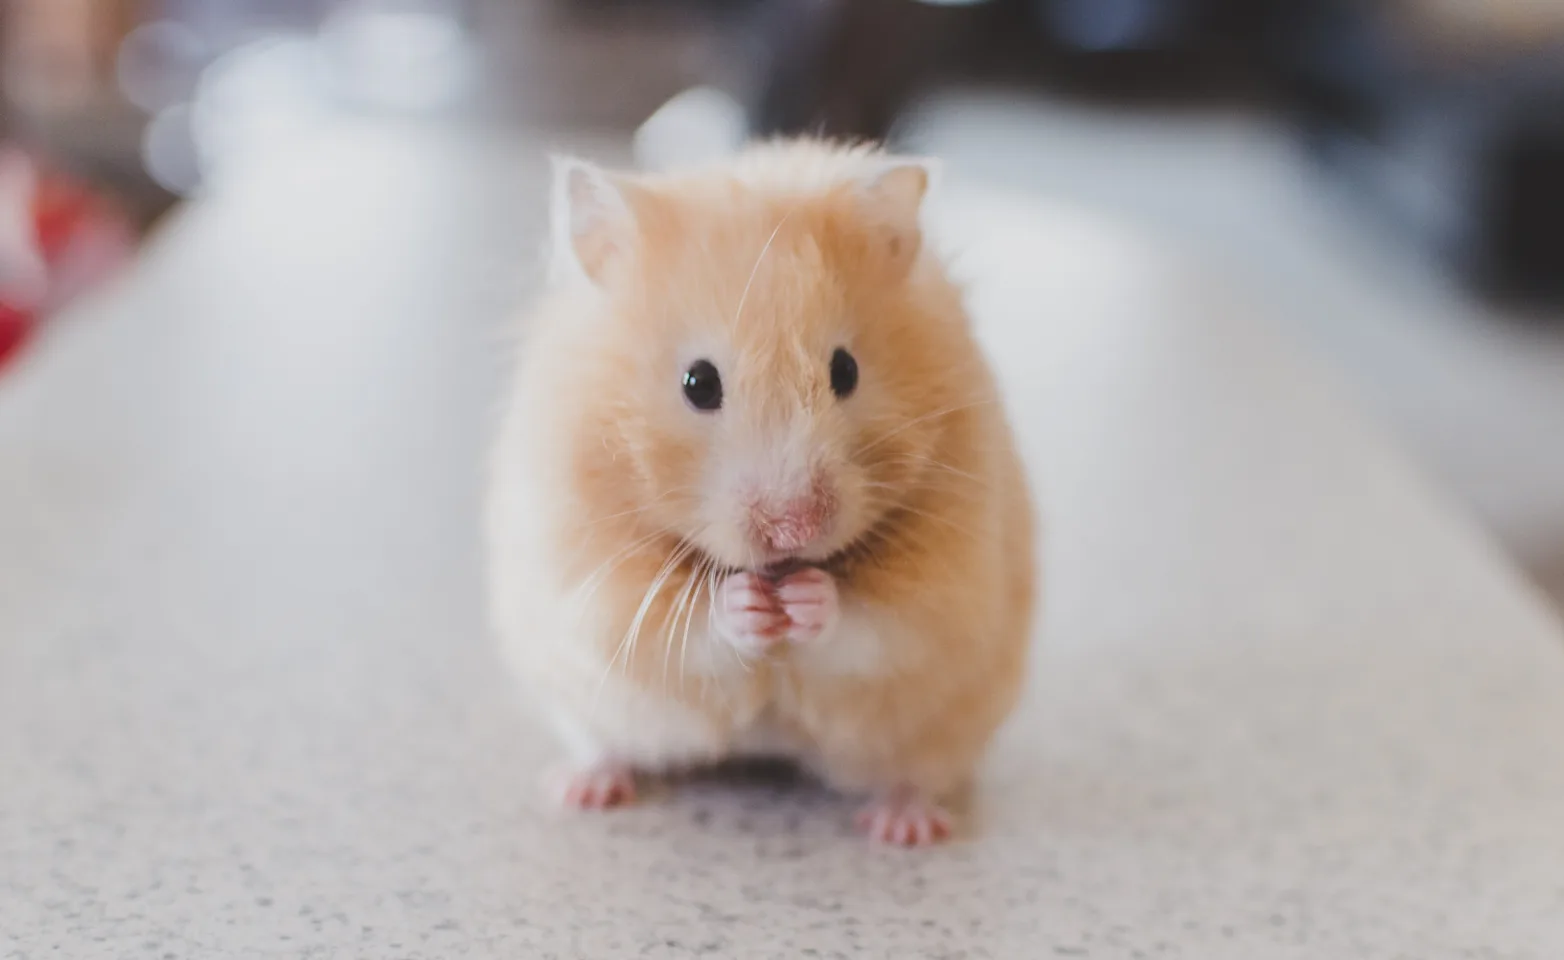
(809, 600)
(749, 614)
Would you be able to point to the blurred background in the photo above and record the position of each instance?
(1384, 178)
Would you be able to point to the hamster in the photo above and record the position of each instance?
(753, 490)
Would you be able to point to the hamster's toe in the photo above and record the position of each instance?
(748, 614)
(809, 599)
(598, 787)
(905, 820)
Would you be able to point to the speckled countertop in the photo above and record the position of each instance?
(1287, 703)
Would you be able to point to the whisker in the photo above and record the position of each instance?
(711, 615)
(909, 458)
(699, 579)
(616, 560)
(925, 515)
(671, 623)
(905, 490)
(923, 419)
(737, 314)
(628, 643)
(652, 592)
(633, 511)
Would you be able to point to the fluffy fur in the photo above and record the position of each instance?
(617, 520)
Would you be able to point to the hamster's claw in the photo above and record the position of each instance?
(809, 600)
(599, 787)
(905, 820)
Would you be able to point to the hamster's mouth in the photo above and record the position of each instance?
(775, 569)
(867, 545)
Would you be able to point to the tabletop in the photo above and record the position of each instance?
(1286, 701)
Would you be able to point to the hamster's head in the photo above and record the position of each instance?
(774, 361)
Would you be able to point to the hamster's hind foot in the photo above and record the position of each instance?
(905, 818)
(601, 786)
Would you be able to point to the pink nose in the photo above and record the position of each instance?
(792, 525)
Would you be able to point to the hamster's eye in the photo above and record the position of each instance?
(702, 386)
(844, 373)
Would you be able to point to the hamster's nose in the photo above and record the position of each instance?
(791, 525)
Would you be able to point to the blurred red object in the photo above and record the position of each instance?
(64, 238)
(14, 327)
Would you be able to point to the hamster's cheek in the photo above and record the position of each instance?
(718, 528)
(673, 463)
(860, 499)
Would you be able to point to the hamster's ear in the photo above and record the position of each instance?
(892, 197)
(592, 222)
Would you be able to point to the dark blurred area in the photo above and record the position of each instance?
(1447, 117)
(1385, 177)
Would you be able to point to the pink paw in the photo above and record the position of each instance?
(599, 787)
(809, 601)
(749, 614)
(905, 821)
